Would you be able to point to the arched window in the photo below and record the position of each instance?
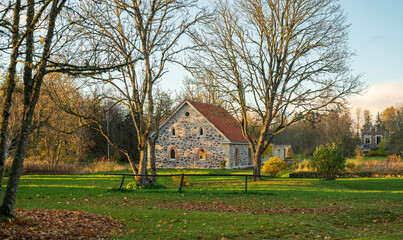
(202, 153)
(201, 132)
(173, 134)
(173, 154)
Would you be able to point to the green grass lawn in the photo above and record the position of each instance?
(216, 207)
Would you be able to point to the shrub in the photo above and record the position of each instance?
(377, 153)
(289, 154)
(223, 163)
(358, 151)
(186, 179)
(303, 175)
(328, 161)
(103, 165)
(274, 166)
(350, 164)
(134, 185)
(371, 154)
(393, 159)
(359, 159)
(305, 165)
(295, 165)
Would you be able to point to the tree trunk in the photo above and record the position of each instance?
(143, 180)
(10, 86)
(10, 196)
(132, 163)
(32, 89)
(36, 142)
(257, 162)
(151, 150)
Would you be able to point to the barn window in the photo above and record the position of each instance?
(173, 154)
(202, 154)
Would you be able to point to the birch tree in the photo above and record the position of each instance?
(277, 59)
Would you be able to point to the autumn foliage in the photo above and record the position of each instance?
(274, 166)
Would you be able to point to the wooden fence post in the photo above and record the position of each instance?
(246, 183)
(180, 185)
(121, 183)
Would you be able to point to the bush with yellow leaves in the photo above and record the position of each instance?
(274, 166)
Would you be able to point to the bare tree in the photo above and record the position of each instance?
(203, 89)
(141, 37)
(163, 106)
(367, 118)
(278, 59)
(358, 115)
(34, 16)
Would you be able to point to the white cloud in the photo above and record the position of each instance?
(379, 96)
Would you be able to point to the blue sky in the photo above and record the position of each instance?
(376, 35)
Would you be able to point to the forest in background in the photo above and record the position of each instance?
(59, 137)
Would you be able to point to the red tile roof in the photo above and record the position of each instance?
(221, 119)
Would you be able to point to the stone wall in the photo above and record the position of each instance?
(243, 156)
(188, 142)
(371, 133)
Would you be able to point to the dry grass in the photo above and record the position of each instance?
(104, 165)
(62, 168)
(303, 166)
(45, 167)
(392, 166)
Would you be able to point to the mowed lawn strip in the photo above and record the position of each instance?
(216, 207)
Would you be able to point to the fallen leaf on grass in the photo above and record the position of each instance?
(58, 224)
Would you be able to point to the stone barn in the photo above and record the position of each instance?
(200, 135)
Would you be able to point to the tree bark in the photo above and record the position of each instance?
(152, 158)
(143, 180)
(10, 86)
(32, 89)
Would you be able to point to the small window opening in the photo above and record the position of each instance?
(173, 132)
(202, 154)
(172, 154)
(187, 114)
(201, 132)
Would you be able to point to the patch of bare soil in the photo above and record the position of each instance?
(57, 224)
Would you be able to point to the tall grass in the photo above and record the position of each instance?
(46, 167)
(103, 165)
(65, 168)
